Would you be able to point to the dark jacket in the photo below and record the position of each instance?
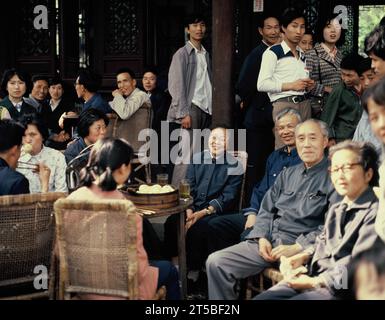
(11, 181)
(74, 149)
(160, 102)
(51, 118)
(342, 112)
(258, 109)
(216, 184)
(16, 115)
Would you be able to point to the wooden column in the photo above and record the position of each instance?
(223, 44)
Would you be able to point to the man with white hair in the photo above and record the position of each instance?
(290, 218)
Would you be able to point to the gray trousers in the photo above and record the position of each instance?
(282, 291)
(225, 267)
(199, 120)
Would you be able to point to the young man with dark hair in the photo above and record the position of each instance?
(283, 72)
(127, 98)
(11, 181)
(343, 109)
(258, 119)
(375, 49)
(87, 84)
(189, 83)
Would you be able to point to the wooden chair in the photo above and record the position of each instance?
(97, 248)
(129, 130)
(242, 157)
(27, 228)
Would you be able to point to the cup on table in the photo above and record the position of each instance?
(184, 189)
(162, 179)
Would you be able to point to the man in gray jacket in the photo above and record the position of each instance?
(189, 83)
(291, 216)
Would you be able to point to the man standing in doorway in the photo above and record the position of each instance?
(189, 83)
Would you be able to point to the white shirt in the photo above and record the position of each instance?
(203, 91)
(52, 158)
(126, 107)
(279, 66)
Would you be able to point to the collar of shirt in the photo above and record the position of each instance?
(285, 150)
(363, 201)
(263, 41)
(28, 157)
(18, 105)
(332, 53)
(53, 105)
(202, 50)
(320, 166)
(287, 50)
(208, 157)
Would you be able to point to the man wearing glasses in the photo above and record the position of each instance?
(291, 216)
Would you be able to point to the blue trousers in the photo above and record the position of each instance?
(168, 276)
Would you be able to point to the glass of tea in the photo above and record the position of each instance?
(184, 189)
(162, 179)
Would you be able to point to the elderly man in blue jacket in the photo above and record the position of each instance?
(215, 178)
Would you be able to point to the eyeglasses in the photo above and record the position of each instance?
(346, 168)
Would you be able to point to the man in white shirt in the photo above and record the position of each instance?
(283, 73)
(127, 98)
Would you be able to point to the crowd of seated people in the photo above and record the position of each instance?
(315, 208)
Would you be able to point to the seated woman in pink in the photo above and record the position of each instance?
(109, 166)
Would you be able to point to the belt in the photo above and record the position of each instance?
(293, 99)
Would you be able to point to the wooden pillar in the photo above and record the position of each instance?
(222, 56)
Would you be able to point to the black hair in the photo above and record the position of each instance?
(106, 155)
(365, 65)
(39, 77)
(376, 92)
(87, 118)
(152, 69)
(11, 134)
(33, 119)
(375, 42)
(289, 15)
(351, 61)
(90, 80)
(324, 21)
(367, 156)
(264, 16)
(194, 18)
(54, 81)
(308, 31)
(9, 73)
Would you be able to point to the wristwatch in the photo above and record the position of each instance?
(209, 211)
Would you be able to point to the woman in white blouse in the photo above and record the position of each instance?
(35, 153)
